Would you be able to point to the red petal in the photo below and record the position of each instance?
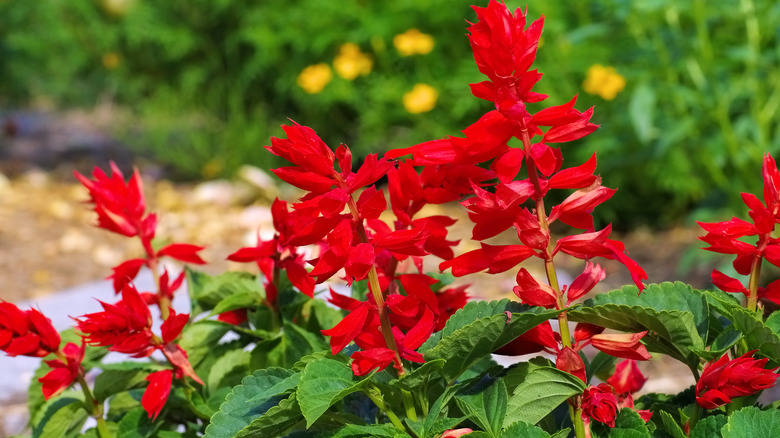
(157, 392)
(184, 252)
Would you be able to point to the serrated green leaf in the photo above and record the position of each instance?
(275, 421)
(671, 426)
(485, 404)
(675, 315)
(709, 427)
(137, 424)
(432, 419)
(525, 430)
(359, 431)
(324, 382)
(628, 424)
(752, 422)
(756, 334)
(61, 416)
(540, 390)
(478, 329)
(721, 344)
(231, 363)
(252, 398)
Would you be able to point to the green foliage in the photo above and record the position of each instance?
(752, 422)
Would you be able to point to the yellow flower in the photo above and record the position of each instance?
(351, 62)
(111, 60)
(604, 81)
(314, 78)
(413, 42)
(421, 99)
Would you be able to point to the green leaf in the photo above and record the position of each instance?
(420, 375)
(122, 376)
(525, 430)
(721, 344)
(252, 398)
(709, 427)
(357, 431)
(671, 426)
(478, 329)
(198, 339)
(275, 421)
(675, 315)
(752, 422)
(628, 424)
(537, 390)
(324, 382)
(229, 364)
(207, 291)
(239, 300)
(602, 366)
(137, 424)
(757, 335)
(286, 349)
(61, 416)
(485, 404)
(432, 419)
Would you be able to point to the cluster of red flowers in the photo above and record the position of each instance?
(725, 237)
(603, 401)
(725, 379)
(30, 333)
(504, 50)
(341, 213)
(126, 326)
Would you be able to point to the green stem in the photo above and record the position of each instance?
(411, 412)
(375, 395)
(755, 273)
(576, 418)
(695, 416)
(96, 408)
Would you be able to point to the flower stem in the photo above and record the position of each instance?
(97, 410)
(755, 273)
(376, 396)
(576, 419)
(411, 412)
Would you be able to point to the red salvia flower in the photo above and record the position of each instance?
(627, 378)
(600, 403)
(156, 393)
(724, 379)
(63, 373)
(26, 333)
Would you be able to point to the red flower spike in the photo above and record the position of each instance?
(568, 360)
(571, 131)
(627, 378)
(724, 379)
(178, 358)
(373, 358)
(771, 183)
(344, 158)
(171, 328)
(120, 207)
(303, 148)
(600, 404)
(26, 333)
(156, 393)
(234, 317)
(585, 282)
(349, 328)
(62, 374)
(625, 345)
(583, 331)
(183, 252)
(125, 272)
(727, 284)
(534, 340)
(547, 160)
(372, 169)
(371, 203)
(575, 177)
(532, 292)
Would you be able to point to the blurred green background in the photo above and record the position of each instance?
(687, 92)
